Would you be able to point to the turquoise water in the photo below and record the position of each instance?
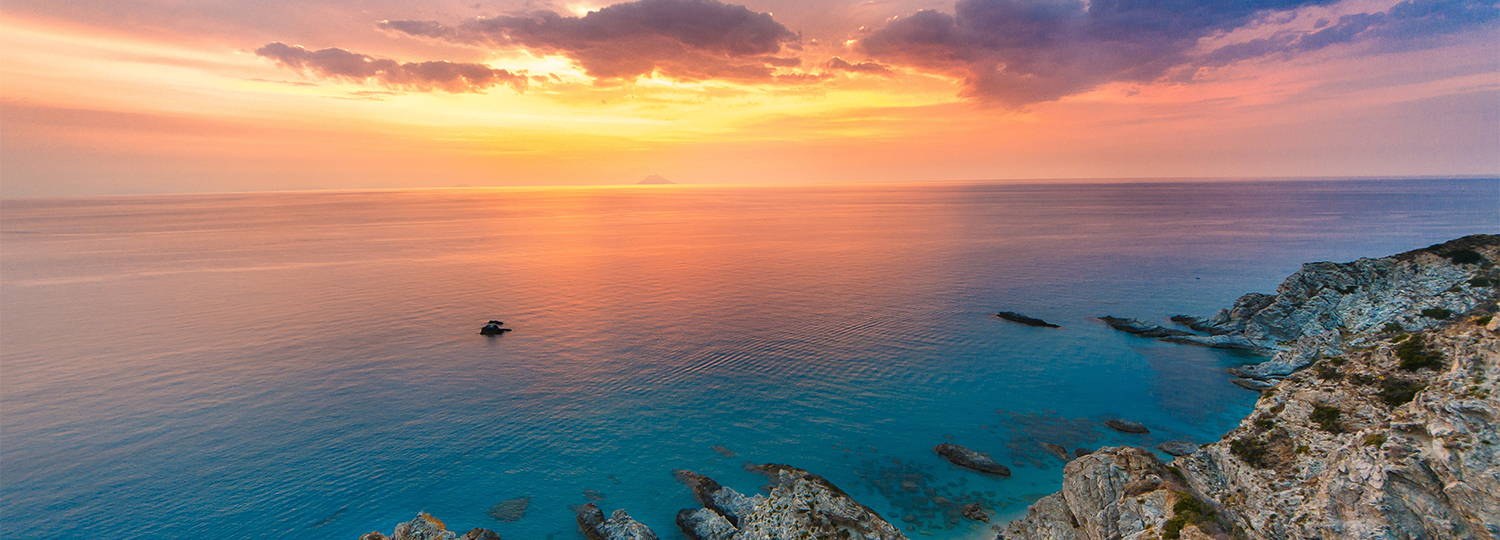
(306, 365)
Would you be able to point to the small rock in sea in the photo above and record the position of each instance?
(1080, 452)
(493, 328)
(1178, 448)
(1060, 452)
(1127, 426)
(965, 457)
(724, 451)
(510, 510)
(972, 511)
(1022, 319)
(593, 495)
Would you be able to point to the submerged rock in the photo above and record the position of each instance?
(510, 510)
(1080, 452)
(619, 525)
(965, 457)
(1141, 328)
(799, 505)
(1022, 319)
(1178, 448)
(974, 512)
(1126, 426)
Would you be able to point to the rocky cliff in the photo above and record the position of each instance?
(1384, 424)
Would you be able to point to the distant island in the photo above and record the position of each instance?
(655, 179)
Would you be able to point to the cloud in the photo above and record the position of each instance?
(1407, 24)
(333, 63)
(1017, 52)
(862, 67)
(682, 39)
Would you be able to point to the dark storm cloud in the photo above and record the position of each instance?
(1015, 52)
(335, 63)
(862, 67)
(685, 39)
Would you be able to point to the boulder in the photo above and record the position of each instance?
(965, 457)
(1126, 426)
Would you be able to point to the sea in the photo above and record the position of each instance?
(307, 365)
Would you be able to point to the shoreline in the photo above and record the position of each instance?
(1128, 493)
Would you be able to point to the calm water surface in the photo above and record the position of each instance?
(306, 365)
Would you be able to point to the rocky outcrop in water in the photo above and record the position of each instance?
(1141, 328)
(1022, 319)
(619, 525)
(964, 457)
(1389, 435)
(1317, 308)
(426, 527)
(799, 505)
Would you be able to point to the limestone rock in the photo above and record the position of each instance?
(799, 505)
(1178, 448)
(965, 457)
(1141, 328)
(1114, 492)
(1364, 445)
(424, 527)
(619, 525)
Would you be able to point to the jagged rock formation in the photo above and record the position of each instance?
(800, 505)
(1141, 328)
(1389, 435)
(1314, 309)
(619, 526)
(1125, 493)
(426, 527)
(1360, 448)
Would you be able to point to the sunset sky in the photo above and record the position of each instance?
(167, 96)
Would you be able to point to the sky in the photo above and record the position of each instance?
(182, 96)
